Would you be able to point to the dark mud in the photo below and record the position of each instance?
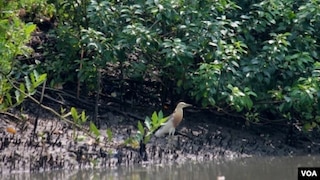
(202, 136)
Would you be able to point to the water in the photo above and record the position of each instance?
(258, 168)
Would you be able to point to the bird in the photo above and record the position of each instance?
(173, 121)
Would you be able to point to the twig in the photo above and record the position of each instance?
(80, 69)
(38, 113)
(96, 104)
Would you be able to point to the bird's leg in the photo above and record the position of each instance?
(168, 140)
(171, 136)
(172, 133)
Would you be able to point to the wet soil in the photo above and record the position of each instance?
(202, 136)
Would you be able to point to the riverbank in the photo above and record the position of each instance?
(203, 136)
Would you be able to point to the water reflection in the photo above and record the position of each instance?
(247, 168)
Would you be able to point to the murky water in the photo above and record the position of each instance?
(281, 168)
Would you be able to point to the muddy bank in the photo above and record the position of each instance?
(203, 137)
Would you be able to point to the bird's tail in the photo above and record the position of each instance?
(161, 132)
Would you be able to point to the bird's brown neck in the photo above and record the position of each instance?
(177, 116)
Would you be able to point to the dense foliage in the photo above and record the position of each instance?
(14, 36)
(259, 59)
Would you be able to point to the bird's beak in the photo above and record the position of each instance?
(187, 105)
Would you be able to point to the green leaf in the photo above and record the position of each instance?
(154, 116)
(20, 96)
(94, 129)
(211, 101)
(30, 28)
(248, 102)
(37, 79)
(307, 127)
(154, 121)
(33, 79)
(163, 120)
(140, 128)
(83, 117)
(28, 84)
(36, 76)
(17, 94)
(138, 137)
(147, 119)
(147, 122)
(147, 139)
(22, 88)
(62, 110)
(179, 83)
(109, 134)
(128, 141)
(160, 114)
(9, 98)
(74, 114)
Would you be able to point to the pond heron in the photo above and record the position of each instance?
(173, 121)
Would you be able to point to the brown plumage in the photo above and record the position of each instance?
(173, 121)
